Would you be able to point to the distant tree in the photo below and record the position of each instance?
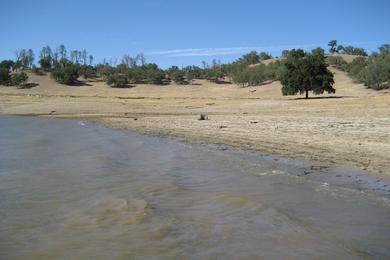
(256, 75)
(104, 70)
(79, 57)
(142, 59)
(285, 53)
(264, 56)
(45, 64)
(61, 51)
(46, 53)
(74, 56)
(8, 64)
(90, 57)
(340, 49)
(377, 74)
(18, 62)
(19, 78)
(204, 64)
(175, 74)
(190, 76)
(35, 70)
(117, 81)
(5, 76)
(30, 57)
(87, 71)
(46, 58)
(67, 75)
(273, 70)
(24, 59)
(84, 57)
(333, 46)
(215, 63)
(354, 51)
(304, 72)
(129, 61)
(154, 75)
(384, 49)
(250, 58)
(192, 72)
(5, 68)
(338, 62)
(356, 67)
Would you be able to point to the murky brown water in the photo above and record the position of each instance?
(74, 190)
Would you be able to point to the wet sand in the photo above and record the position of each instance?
(73, 189)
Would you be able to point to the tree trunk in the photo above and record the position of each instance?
(307, 93)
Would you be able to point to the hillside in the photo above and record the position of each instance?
(199, 89)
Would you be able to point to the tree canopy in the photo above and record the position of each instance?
(303, 72)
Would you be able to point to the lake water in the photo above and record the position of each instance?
(74, 190)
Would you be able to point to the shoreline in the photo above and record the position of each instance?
(187, 127)
(246, 144)
(135, 184)
(342, 177)
(278, 135)
(349, 130)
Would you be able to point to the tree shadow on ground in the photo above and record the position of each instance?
(80, 83)
(327, 97)
(28, 85)
(221, 81)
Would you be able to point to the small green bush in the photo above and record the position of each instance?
(18, 78)
(117, 81)
(5, 76)
(338, 62)
(67, 75)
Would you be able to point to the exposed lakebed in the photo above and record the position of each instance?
(73, 189)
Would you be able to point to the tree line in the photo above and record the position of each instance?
(349, 50)
(297, 70)
(373, 71)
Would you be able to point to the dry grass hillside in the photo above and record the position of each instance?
(350, 128)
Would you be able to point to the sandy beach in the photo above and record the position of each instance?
(349, 129)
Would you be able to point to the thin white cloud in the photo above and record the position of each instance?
(234, 50)
(220, 51)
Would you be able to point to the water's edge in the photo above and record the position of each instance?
(78, 189)
(329, 175)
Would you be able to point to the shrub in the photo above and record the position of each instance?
(338, 62)
(376, 74)
(8, 64)
(154, 75)
(5, 76)
(67, 75)
(19, 78)
(256, 75)
(214, 74)
(356, 67)
(87, 72)
(193, 72)
(203, 117)
(117, 81)
(45, 64)
(175, 74)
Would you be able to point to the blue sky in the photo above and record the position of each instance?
(186, 32)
